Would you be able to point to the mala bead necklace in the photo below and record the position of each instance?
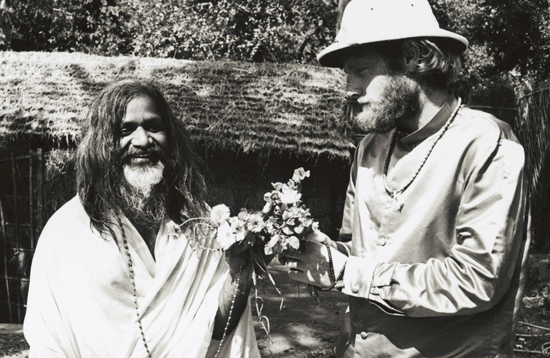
(237, 282)
(195, 246)
(132, 277)
(395, 194)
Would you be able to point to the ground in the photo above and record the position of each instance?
(301, 327)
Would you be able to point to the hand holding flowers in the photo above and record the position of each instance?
(283, 224)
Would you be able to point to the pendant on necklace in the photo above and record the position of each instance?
(396, 205)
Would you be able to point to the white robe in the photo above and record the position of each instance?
(81, 301)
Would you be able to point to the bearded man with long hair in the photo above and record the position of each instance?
(432, 249)
(120, 271)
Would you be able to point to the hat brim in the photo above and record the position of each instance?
(335, 54)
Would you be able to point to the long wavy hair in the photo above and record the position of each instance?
(438, 65)
(99, 169)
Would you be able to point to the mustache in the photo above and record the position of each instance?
(155, 152)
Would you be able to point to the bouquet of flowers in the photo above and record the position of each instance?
(284, 223)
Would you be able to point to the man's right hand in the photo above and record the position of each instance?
(311, 264)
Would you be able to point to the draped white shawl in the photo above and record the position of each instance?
(81, 301)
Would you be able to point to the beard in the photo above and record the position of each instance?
(143, 178)
(400, 102)
(142, 190)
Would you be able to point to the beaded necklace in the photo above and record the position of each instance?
(395, 194)
(132, 277)
(194, 246)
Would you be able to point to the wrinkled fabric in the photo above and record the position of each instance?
(81, 300)
(441, 277)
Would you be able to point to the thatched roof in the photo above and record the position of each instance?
(267, 108)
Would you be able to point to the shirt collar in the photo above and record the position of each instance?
(434, 124)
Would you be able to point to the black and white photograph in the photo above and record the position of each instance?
(274, 178)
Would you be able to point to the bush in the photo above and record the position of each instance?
(90, 26)
(246, 30)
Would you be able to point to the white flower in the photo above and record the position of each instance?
(173, 230)
(289, 196)
(225, 236)
(255, 223)
(219, 214)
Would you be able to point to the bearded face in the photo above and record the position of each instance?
(143, 176)
(142, 165)
(399, 101)
(142, 190)
(385, 97)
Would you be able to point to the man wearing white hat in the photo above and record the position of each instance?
(436, 201)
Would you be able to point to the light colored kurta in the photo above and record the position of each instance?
(441, 278)
(81, 301)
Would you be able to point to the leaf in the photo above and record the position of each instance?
(287, 230)
(294, 242)
(299, 175)
(286, 214)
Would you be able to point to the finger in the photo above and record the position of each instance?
(291, 264)
(318, 236)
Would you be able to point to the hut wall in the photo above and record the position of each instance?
(33, 185)
(533, 131)
(21, 221)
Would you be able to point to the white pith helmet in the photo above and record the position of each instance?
(371, 21)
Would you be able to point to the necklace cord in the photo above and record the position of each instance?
(134, 290)
(132, 277)
(395, 193)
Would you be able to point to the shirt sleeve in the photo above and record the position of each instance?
(347, 218)
(478, 272)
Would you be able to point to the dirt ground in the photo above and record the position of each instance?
(302, 327)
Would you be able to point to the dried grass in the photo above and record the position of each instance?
(243, 107)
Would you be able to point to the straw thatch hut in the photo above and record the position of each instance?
(253, 124)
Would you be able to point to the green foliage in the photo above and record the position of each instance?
(91, 26)
(510, 39)
(509, 46)
(249, 30)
